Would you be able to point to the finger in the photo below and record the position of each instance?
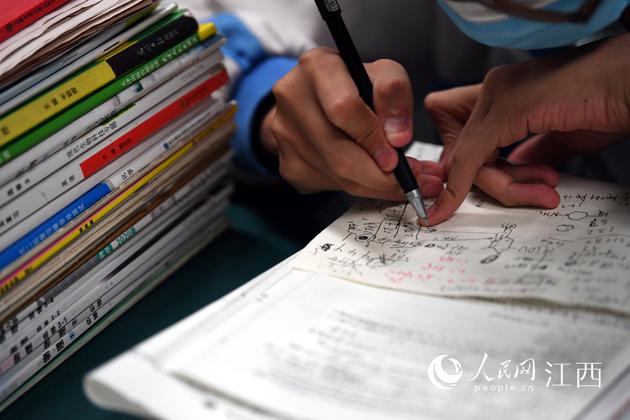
(541, 148)
(450, 110)
(468, 157)
(556, 147)
(534, 173)
(339, 98)
(430, 185)
(500, 185)
(343, 158)
(427, 167)
(298, 173)
(393, 100)
(289, 134)
(267, 138)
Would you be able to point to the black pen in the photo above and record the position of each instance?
(331, 12)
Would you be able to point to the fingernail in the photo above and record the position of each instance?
(396, 125)
(383, 158)
(397, 131)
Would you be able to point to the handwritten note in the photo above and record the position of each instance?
(576, 254)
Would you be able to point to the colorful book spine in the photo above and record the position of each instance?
(117, 286)
(18, 15)
(23, 271)
(77, 58)
(62, 296)
(121, 61)
(120, 124)
(180, 71)
(65, 118)
(77, 171)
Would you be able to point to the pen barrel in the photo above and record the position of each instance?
(353, 62)
(404, 174)
(351, 58)
(328, 8)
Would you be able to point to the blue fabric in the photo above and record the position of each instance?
(250, 91)
(259, 73)
(531, 35)
(242, 45)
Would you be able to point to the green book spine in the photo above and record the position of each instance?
(36, 136)
(63, 95)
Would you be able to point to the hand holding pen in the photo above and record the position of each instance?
(328, 138)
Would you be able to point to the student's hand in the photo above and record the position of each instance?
(327, 138)
(568, 104)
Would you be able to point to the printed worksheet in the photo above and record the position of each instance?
(577, 254)
(314, 347)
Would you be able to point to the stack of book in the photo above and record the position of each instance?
(114, 129)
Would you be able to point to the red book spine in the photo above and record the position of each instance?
(152, 125)
(13, 21)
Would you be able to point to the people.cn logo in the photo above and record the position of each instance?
(442, 379)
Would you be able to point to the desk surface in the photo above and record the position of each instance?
(268, 225)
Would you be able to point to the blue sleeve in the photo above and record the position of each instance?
(259, 73)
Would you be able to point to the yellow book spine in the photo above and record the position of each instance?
(10, 281)
(54, 101)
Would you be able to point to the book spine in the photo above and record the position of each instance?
(120, 283)
(74, 60)
(80, 86)
(65, 118)
(27, 326)
(56, 222)
(160, 119)
(180, 71)
(138, 52)
(17, 23)
(130, 118)
(20, 273)
(54, 186)
(190, 128)
(175, 138)
(31, 222)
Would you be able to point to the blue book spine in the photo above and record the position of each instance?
(52, 225)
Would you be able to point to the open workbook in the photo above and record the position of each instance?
(498, 313)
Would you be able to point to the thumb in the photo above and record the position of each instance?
(393, 100)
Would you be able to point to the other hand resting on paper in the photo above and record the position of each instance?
(564, 105)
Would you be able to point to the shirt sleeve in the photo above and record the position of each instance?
(263, 41)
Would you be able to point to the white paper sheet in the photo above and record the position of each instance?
(321, 348)
(577, 254)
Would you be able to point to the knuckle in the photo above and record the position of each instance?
(283, 88)
(340, 166)
(369, 139)
(344, 108)
(355, 189)
(457, 159)
(289, 170)
(314, 57)
(393, 87)
(496, 77)
(386, 63)
(433, 101)
(277, 129)
(281, 131)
